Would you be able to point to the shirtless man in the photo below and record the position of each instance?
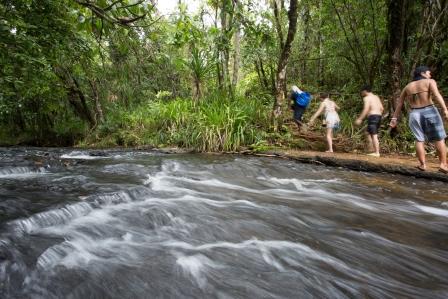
(373, 108)
(424, 120)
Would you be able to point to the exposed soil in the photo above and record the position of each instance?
(390, 163)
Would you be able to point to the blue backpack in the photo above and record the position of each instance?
(302, 99)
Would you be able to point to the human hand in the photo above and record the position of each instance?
(445, 113)
(358, 122)
(393, 122)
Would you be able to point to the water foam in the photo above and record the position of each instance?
(81, 156)
(432, 210)
(21, 172)
(196, 266)
(67, 213)
(265, 248)
(162, 181)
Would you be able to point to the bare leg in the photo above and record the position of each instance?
(330, 139)
(441, 150)
(376, 143)
(369, 142)
(420, 148)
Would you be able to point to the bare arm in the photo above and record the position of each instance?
(336, 106)
(393, 121)
(435, 91)
(318, 112)
(364, 112)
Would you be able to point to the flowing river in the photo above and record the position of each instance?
(136, 224)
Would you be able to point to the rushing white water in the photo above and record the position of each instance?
(432, 210)
(21, 172)
(81, 155)
(194, 226)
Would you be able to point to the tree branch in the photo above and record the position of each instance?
(278, 24)
(102, 12)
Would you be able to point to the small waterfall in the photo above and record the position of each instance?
(64, 214)
(21, 172)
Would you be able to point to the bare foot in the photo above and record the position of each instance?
(374, 155)
(421, 167)
(443, 170)
(328, 151)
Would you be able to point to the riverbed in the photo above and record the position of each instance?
(146, 224)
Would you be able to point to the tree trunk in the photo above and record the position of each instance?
(320, 62)
(81, 105)
(76, 97)
(261, 74)
(197, 89)
(99, 115)
(305, 44)
(396, 29)
(432, 31)
(225, 40)
(272, 74)
(219, 75)
(283, 62)
(236, 57)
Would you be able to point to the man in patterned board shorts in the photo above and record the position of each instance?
(374, 109)
(424, 120)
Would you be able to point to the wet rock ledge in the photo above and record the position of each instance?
(394, 164)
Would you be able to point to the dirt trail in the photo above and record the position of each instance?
(396, 164)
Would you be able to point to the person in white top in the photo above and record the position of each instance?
(331, 117)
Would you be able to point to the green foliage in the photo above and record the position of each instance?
(69, 70)
(35, 36)
(213, 124)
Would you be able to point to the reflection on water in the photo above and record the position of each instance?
(124, 224)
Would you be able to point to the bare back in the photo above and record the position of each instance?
(419, 93)
(330, 106)
(375, 107)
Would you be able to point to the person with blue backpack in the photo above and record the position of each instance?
(301, 100)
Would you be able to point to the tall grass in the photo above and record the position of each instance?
(212, 124)
(217, 123)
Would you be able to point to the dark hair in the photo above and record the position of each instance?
(367, 88)
(418, 72)
(324, 95)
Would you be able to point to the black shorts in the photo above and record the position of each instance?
(373, 124)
